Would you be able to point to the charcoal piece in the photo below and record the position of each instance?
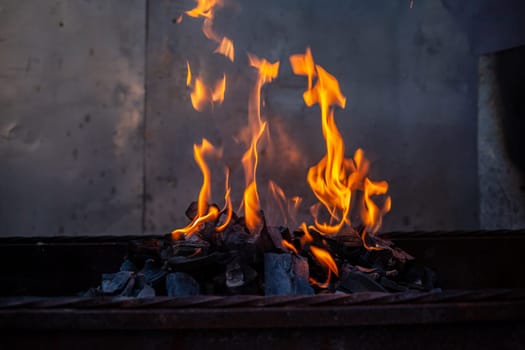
(181, 263)
(127, 265)
(191, 212)
(356, 281)
(208, 232)
(429, 282)
(270, 240)
(367, 269)
(286, 274)
(187, 248)
(391, 285)
(140, 281)
(397, 253)
(115, 282)
(235, 237)
(144, 249)
(152, 273)
(276, 237)
(146, 292)
(180, 284)
(128, 289)
(419, 277)
(91, 293)
(392, 273)
(234, 275)
(349, 238)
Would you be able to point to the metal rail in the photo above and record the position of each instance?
(256, 301)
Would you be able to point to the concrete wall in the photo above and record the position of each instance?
(96, 126)
(71, 111)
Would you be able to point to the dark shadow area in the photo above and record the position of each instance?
(510, 76)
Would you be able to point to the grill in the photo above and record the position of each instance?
(481, 304)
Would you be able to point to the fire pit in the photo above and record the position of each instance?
(481, 305)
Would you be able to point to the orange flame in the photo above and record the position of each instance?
(205, 212)
(188, 76)
(307, 237)
(252, 206)
(226, 48)
(371, 215)
(324, 259)
(328, 179)
(228, 204)
(289, 246)
(202, 96)
(266, 72)
(206, 9)
(304, 65)
(334, 179)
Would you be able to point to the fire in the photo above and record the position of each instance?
(324, 258)
(340, 184)
(335, 179)
(226, 48)
(288, 207)
(289, 246)
(304, 65)
(371, 214)
(188, 76)
(202, 96)
(206, 10)
(266, 72)
(228, 208)
(205, 211)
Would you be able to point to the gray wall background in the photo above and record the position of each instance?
(96, 126)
